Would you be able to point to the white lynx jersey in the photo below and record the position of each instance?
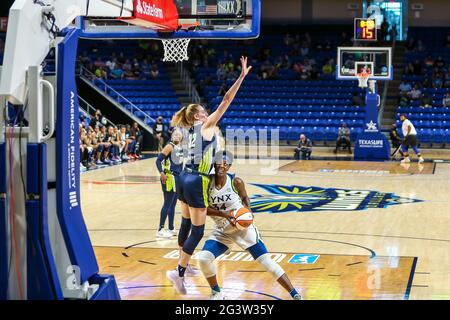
(225, 199)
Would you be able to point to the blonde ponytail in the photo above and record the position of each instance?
(185, 116)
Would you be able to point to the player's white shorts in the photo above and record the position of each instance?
(243, 238)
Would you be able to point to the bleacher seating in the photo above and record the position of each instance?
(433, 123)
(313, 107)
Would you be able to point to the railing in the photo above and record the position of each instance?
(102, 85)
(188, 83)
(90, 110)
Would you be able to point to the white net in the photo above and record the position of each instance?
(362, 79)
(175, 50)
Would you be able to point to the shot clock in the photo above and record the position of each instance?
(365, 29)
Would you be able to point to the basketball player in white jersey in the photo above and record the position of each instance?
(227, 193)
(410, 139)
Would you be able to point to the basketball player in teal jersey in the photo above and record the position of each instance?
(194, 178)
(227, 193)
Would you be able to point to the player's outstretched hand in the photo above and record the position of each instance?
(245, 69)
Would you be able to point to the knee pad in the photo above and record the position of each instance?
(270, 265)
(184, 231)
(194, 238)
(206, 263)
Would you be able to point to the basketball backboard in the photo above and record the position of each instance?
(214, 19)
(351, 59)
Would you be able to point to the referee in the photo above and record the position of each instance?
(410, 134)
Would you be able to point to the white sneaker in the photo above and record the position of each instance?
(173, 232)
(163, 234)
(421, 159)
(125, 157)
(405, 160)
(191, 272)
(177, 281)
(217, 296)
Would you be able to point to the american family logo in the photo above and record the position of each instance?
(71, 161)
(281, 199)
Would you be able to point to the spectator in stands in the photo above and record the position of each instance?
(91, 148)
(420, 46)
(395, 137)
(221, 72)
(98, 120)
(384, 29)
(101, 73)
(429, 61)
(304, 149)
(425, 101)
(403, 100)
(128, 74)
(223, 89)
(83, 151)
(104, 146)
(404, 87)
(393, 32)
(328, 68)
(304, 49)
(343, 138)
(409, 69)
(438, 81)
(111, 63)
(137, 135)
(160, 132)
(117, 73)
(415, 93)
(446, 80)
(439, 62)
(314, 74)
(288, 40)
(446, 100)
(411, 45)
(426, 83)
(417, 67)
(345, 39)
(154, 72)
(116, 143)
(284, 62)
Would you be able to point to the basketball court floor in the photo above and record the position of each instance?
(340, 229)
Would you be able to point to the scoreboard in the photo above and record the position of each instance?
(365, 29)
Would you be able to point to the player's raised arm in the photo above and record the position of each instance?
(214, 117)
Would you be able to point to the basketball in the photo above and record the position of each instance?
(243, 218)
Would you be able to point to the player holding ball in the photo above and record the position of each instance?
(229, 207)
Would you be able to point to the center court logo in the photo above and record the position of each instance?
(281, 199)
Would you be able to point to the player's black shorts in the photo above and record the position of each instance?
(410, 141)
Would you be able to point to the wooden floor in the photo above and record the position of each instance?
(369, 232)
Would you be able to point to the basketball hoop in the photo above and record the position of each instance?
(363, 77)
(175, 50)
